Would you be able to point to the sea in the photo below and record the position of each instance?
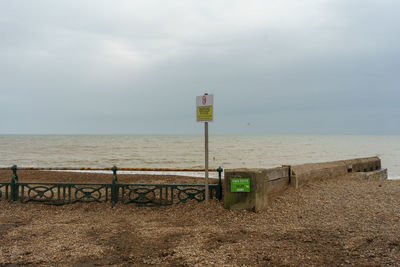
(187, 151)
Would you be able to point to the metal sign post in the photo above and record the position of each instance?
(207, 194)
(204, 106)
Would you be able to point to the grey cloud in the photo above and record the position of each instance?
(325, 67)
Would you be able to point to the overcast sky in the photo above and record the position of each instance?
(275, 66)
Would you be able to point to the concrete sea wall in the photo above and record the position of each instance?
(306, 173)
(267, 184)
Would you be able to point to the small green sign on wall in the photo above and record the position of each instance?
(240, 185)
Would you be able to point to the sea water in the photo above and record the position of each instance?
(187, 151)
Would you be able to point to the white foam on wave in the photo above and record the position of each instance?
(213, 175)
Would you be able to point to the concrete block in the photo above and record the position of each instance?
(363, 164)
(278, 181)
(373, 175)
(256, 199)
(265, 185)
(310, 172)
(277, 173)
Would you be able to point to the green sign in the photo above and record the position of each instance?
(240, 185)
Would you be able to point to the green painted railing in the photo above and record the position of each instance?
(5, 190)
(139, 194)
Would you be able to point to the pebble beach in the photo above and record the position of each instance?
(345, 221)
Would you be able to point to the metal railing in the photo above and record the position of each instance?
(140, 194)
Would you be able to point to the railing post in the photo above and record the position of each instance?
(219, 190)
(14, 184)
(114, 187)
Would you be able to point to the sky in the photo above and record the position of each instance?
(136, 67)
